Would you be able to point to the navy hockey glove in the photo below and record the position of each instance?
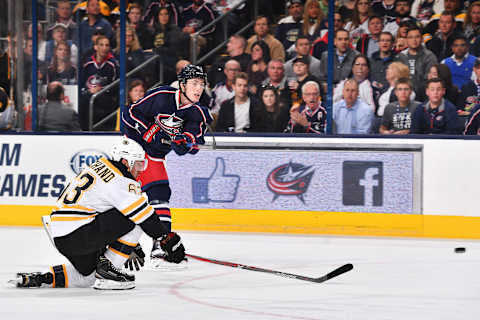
(173, 247)
(183, 144)
(137, 257)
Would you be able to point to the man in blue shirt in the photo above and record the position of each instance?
(91, 23)
(351, 115)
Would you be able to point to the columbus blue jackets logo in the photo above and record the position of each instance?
(290, 179)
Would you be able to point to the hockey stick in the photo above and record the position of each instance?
(341, 270)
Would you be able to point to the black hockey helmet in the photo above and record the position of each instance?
(191, 72)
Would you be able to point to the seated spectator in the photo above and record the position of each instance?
(302, 49)
(224, 90)
(134, 55)
(56, 116)
(310, 116)
(321, 43)
(461, 62)
(395, 71)
(236, 50)
(240, 113)
(273, 114)
(178, 67)
(351, 115)
(61, 68)
(59, 34)
(380, 60)
(470, 93)
(136, 91)
(342, 60)
(441, 42)
(471, 26)
(277, 79)
(195, 17)
(385, 9)
(472, 126)
(397, 118)
(290, 27)
(100, 70)
(142, 30)
(360, 73)
(346, 9)
(151, 14)
(402, 16)
(312, 20)
(81, 10)
(277, 50)
(302, 76)
(368, 43)
(423, 10)
(456, 8)
(92, 23)
(63, 15)
(452, 93)
(257, 68)
(437, 115)
(168, 39)
(359, 23)
(401, 36)
(418, 58)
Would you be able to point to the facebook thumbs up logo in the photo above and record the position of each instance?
(219, 187)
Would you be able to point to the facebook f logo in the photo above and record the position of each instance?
(363, 183)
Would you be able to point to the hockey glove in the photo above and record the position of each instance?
(173, 247)
(137, 257)
(183, 144)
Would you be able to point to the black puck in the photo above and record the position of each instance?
(460, 250)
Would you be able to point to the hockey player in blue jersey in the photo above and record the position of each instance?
(167, 119)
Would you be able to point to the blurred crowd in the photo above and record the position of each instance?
(400, 66)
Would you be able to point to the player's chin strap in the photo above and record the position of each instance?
(185, 93)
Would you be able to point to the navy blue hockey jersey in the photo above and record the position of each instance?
(146, 121)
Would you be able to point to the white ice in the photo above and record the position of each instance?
(400, 279)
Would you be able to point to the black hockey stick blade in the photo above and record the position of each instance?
(335, 273)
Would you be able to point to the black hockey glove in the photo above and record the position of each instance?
(173, 247)
(137, 257)
(183, 144)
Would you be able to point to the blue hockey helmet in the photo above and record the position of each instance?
(191, 72)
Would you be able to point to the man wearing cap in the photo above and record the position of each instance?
(59, 34)
(302, 76)
(261, 29)
(302, 48)
(290, 27)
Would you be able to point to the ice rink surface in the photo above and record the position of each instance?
(396, 279)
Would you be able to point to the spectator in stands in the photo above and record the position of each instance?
(368, 43)
(437, 115)
(397, 118)
(178, 67)
(441, 42)
(385, 9)
(290, 27)
(346, 9)
(351, 115)
(27, 70)
(380, 60)
(142, 30)
(59, 34)
(302, 76)
(236, 50)
(277, 51)
(151, 14)
(196, 16)
(470, 93)
(240, 113)
(402, 14)
(461, 62)
(273, 114)
(360, 73)
(310, 116)
(56, 116)
(343, 59)
(63, 15)
(359, 23)
(168, 39)
(81, 10)
(302, 49)
(472, 126)
(312, 20)
(136, 90)
(257, 68)
(41, 43)
(395, 71)
(93, 22)
(471, 26)
(423, 10)
(418, 58)
(321, 43)
(452, 93)
(61, 68)
(276, 78)
(453, 6)
(134, 55)
(100, 70)
(224, 90)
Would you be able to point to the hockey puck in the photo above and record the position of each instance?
(460, 250)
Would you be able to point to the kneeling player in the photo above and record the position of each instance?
(98, 221)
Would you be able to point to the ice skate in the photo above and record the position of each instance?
(31, 279)
(108, 277)
(158, 262)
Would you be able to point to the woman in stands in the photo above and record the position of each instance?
(452, 93)
(395, 71)
(257, 68)
(61, 68)
(168, 39)
(312, 19)
(133, 50)
(359, 23)
(273, 115)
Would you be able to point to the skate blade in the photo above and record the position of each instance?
(104, 284)
(161, 264)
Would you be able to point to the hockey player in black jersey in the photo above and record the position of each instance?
(98, 221)
(165, 119)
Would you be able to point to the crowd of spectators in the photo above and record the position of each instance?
(400, 66)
